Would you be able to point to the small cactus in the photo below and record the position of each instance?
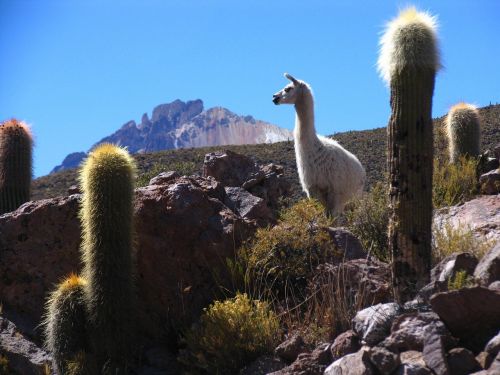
(463, 128)
(16, 144)
(65, 322)
(107, 180)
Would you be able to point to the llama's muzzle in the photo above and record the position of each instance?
(276, 99)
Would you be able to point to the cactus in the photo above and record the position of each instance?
(464, 131)
(65, 322)
(107, 180)
(409, 60)
(15, 164)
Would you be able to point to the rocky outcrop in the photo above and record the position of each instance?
(185, 124)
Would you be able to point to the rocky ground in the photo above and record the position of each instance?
(186, 229)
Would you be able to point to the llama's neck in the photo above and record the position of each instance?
(304, 120)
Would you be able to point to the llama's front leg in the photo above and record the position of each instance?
(320, 194)
(334, 204)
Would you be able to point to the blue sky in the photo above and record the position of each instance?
(76, 70)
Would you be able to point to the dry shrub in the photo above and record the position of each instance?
(367, 218)
(231, 334)
(454, 183)
(460, 280)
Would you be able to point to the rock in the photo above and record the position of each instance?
(471, 314)
(72, 160)
(410, 330)
(484, 359)
(487, 162)
(23, 355)
(373, 324)
(412, 357)
(495, 285)
(235, 170)
(446, 270)
(263, 365)
(313, 363)
(488, 269)
(494, 368)
(462, 362)
(493, 346)
(74, 189)
(435, 354)
(248, 206)
(290, 348)
(407, 369)
(481, 215)
(347, 243)
(183, 237)
(496, 151)
(490, 182)
(384, 360)
(345, 343)
(163, 178)
(352, 364)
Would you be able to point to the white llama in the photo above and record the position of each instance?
(327, 171)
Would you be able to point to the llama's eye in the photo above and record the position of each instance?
(287, 89)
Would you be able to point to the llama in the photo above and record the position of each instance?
(327, 171)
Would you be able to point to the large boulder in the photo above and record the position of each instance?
(184, 234)
(373, 323)
(488, 269)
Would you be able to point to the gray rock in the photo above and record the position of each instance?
(373, 324)
(248, 206)
(352, 364)
(263, 365)
(313, 363)
(490, 182)
(495, 285)
(412, 357)
(493, 346)
(488, 269)
(384, 360)
(435, 355)
(409, 369)
(345, 343)
(23, 355)
(484, 359)
(289, 349)
(347, 243)
(462, 362)
(163, 178)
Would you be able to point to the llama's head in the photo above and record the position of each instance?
(290, 93)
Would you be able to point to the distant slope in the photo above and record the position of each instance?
(185, 124)
(368, 145)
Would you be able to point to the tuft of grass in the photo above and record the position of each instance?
(4, 365)
(454, 183)
(180, 166)
(448, 239)
(230, 335)
(460, 280)
(281, 259)
(367, 218)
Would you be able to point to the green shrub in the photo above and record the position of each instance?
(454, 183)
(181, 167)
(281, 259)
(460, 280)
(448, 239)
(367, 218)
(231, 334)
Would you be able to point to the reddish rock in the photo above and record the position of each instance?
(490, 182)
(352, 364)
(345, 343)
(248, 206)
(435, 354)
(164, 178)
(471, 314)
(263, 365)
(313, 363)
(488, 269)
(384, 360)
(347, 244)
(462, 361)
(290, 349)
(412, 358)
(183, 237)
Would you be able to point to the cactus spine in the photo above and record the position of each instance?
(464, 131)
(16, 144)
(409, 60)
(107, 180)
(65, 322)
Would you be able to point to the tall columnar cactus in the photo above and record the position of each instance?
(15, 164)
(65, 323)
(107, 181)
(408, 61)
(463, 128)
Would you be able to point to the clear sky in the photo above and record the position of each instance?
(76, 70)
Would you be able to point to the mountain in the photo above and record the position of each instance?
(368, 145)
(186, 124)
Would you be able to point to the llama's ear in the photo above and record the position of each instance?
(294, 81)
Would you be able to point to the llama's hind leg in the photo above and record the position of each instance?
(334, 204)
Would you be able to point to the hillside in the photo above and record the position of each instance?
(368, 145)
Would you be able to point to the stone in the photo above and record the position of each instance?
(263, 365)
(183, 238)
(487, 161)
(435, 355)
(484, 359)
(384, 360)
(24, 356)
(373, 323)
(345, 343)
(410, 330)
(412, 357)
(490, 182)
(347, 243)
(164, 178)
(248, 206)
(488, 269)
(481, 215)
(352, 364)
(471, 314)
(74, 189)
(493, 346)
(495, 285)
(408, 369)
(313, 363)
(462, 362)
(289, 349)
